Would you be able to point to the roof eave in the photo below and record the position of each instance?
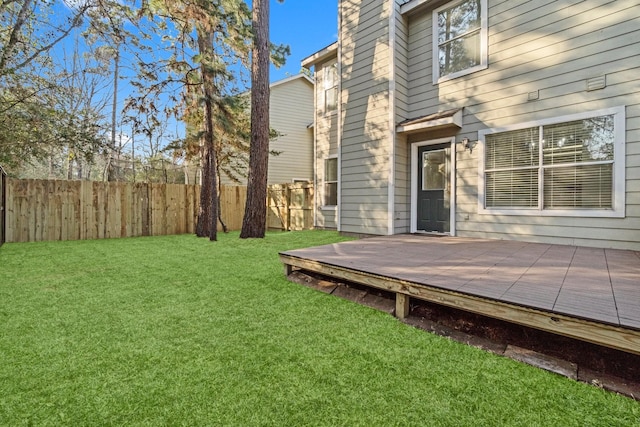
(321, 55)
(449, 121)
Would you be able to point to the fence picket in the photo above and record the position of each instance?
(38, 210)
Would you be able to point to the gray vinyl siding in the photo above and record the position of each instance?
(402, 181)
(366, 129)
(402, 200)
(291, 112)
(551, 47)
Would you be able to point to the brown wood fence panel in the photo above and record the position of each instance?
(39, 210)
(301, 207)
(233, 199)
(290, 207)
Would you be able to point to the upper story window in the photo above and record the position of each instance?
(459, 39)
(330, 87)
(569, 166)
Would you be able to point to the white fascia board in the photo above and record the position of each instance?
(454, 120)
(413, 5)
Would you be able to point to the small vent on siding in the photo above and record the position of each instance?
(596, 83)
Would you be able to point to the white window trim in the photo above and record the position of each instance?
(325, 87)
(618, 210)
(484, 61)
(324, 181)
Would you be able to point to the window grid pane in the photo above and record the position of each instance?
(459, 54)
(331, 194)
(579, 141)
(586, 187)
(458, 20)
(331, 99)
(331, 182)
(507, 189)
(331, 167)
(434, 169)
(512, 149)
(331, 87)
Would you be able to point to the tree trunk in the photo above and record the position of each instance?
(204, 213)
(207, 219)
(111, 168)
(255, 214)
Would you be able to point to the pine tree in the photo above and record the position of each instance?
(254, 222)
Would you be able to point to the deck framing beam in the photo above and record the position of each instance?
(598, 333)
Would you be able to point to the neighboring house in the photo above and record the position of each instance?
(291, 113)
(493, 119)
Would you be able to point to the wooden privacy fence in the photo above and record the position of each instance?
(41, 210)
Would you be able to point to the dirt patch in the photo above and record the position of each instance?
(611, 369)
(596, 364)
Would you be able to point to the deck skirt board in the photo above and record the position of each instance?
(560, 289)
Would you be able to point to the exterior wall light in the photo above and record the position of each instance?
(468, 145)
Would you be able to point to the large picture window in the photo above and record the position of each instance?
(331, 181)
(567, 166)
(459, 39)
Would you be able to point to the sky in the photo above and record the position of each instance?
(306, 26)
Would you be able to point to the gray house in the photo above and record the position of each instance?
(495, 119)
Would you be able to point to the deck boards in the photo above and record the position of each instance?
(599, 285)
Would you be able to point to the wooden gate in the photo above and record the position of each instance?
(290, 207)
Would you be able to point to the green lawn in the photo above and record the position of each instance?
(181, 331)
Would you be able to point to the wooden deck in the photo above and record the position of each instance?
(585, 293)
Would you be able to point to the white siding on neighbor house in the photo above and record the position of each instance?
(548, 49)
(291, 113)
(365, 138)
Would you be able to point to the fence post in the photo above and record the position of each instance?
(287, 200)
(3, 204)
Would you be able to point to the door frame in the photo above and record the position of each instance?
(414, 182)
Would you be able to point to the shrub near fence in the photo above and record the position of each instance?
(39, 210)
